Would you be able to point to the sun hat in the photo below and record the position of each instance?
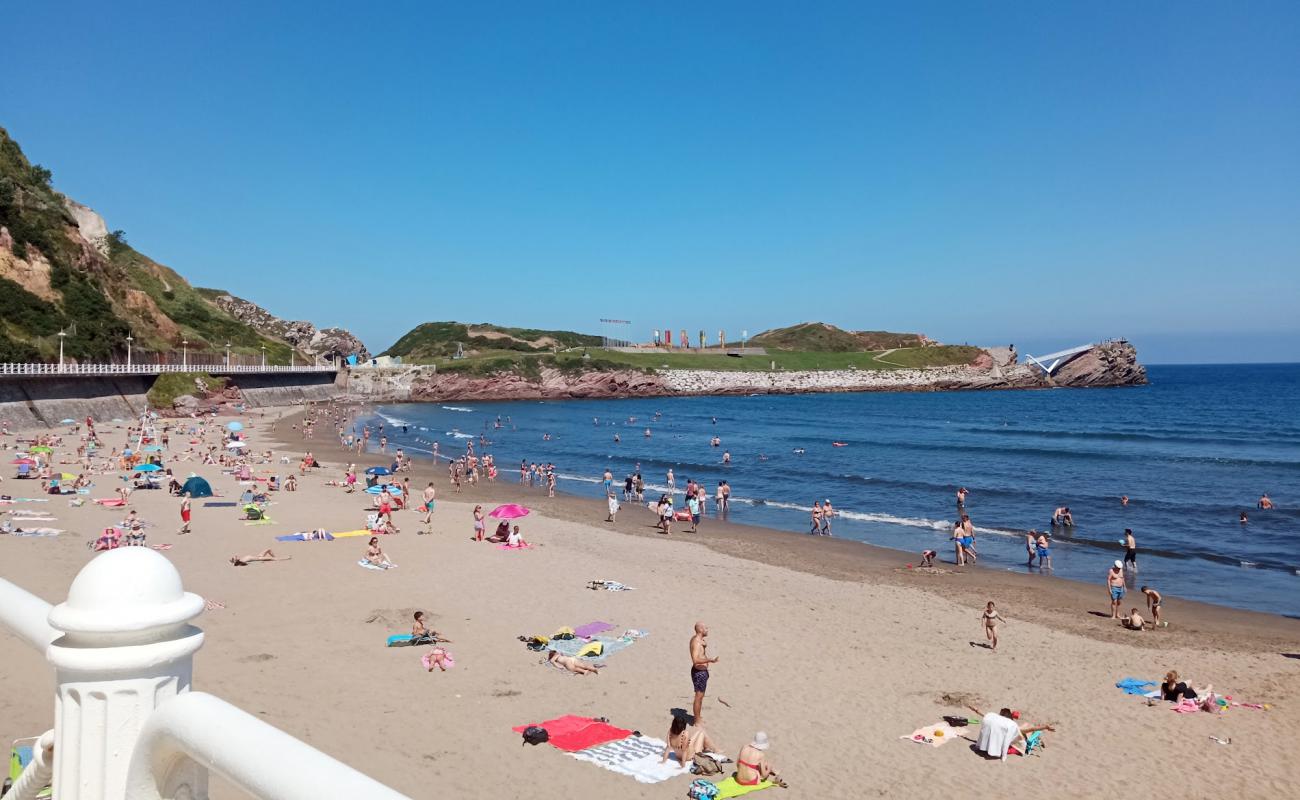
(1119, 564)
(760, 741)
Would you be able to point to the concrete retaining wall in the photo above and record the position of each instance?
(284, 390)
(28, 402)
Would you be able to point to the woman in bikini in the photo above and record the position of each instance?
(991, 619)
(265, 555)
(686, 743)
(751, 763)
(375, 554)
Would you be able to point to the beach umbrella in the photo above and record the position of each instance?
(147, 468)
(236, 445)
(379, 471)
(20, 461)
(40, 448)
(234, 426)
(393, 489)
(67, 422)
(509, 511)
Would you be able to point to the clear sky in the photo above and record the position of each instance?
(1044, 173)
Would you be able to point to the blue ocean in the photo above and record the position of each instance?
(1192, 450)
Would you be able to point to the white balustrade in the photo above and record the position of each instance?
(151, 369)
(126, 723)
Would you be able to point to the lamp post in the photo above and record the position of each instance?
(227, 355)
(62, 334)
(129, 339)
(290, 358)
(185, 353)
(263, 356)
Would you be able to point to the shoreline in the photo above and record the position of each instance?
(1062, 603)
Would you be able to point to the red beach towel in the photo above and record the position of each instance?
(571, 733)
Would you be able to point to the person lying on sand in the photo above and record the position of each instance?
(265, 555)
(571, 663)
(686, 743)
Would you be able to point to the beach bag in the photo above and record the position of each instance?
(705, 764)
(535, 735)
(701, 789)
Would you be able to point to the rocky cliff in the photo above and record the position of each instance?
(1112, 364)
(303, 336)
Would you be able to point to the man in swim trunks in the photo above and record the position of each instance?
(1044, 552)
(1154, 599)
(1130, 549)
(1115, 584)
(700, 662)
(961, 498)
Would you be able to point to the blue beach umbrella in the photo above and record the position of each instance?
(234, 426)
(393, 489)
(147, 468)
(67, 421)
(379, 471)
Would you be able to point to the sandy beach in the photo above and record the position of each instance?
(836, 649)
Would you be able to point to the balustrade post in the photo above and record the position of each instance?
(126, 648)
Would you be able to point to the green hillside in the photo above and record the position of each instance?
(819, 337)
(52, 279)
(434, 340)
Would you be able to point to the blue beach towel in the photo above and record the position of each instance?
(1135, 686)
(304, 537)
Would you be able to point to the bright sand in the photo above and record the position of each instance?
(834, 648)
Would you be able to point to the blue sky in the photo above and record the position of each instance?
(1038, 173)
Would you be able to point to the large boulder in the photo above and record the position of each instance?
(1112, 363)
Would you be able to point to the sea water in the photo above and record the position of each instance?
(1191, 451)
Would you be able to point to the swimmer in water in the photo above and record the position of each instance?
(798, 451)
(1244, 518)
(1062, 516)
(1264, 503)
(1123, 500)
(726, 457)
(647, 433)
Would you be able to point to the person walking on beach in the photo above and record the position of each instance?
(1115, 584)
(991, 619)
(429, 494)
(725, 506)
(1154, 599)
(612, 501)
(959, 552)
(827, 513)
(185, 513)
(816, 523)
(700, 662)
(1130, 549)
(672, 482)
(693, 506)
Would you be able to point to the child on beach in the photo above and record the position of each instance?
(991, 619)
(928, 557)
(1154, 599)
(516, 539)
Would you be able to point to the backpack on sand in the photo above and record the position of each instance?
(535, 735)
(705, 764)
(701, 789)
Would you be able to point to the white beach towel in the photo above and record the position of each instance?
(997, 734)
(636, 756)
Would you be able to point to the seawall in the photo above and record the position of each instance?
(28, 402)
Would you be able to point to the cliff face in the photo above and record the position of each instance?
(1113, 364)
(301, 335)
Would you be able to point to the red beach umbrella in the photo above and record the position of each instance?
(509, 511)
(21, 461)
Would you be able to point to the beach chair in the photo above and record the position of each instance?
(20, 755)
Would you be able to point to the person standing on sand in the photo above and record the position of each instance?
(700, 662)
(185, 513)
(1154, 599)
(479, 524)
(1130, 549)
(429, 494)
(1115, 584)
(991, 619)
(827, 513)
(693, 506)
(612, 501)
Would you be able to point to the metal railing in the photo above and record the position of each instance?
(151, 369)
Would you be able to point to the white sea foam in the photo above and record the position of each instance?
(457, 408)
(459, 435)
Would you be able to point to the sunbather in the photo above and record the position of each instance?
(1175, 690)
(421, 634)
(752, 767)
(571, 663)
(686, 743)
(437, 657)
(265, 555)
(375, 555)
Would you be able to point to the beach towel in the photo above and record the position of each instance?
(574, 647)
(1135, 686)
(571, 733)
(591, 629)
(635, 756)
(309, 536)
(729, 788)
(347, 534)
(520, 547)
(111, 502)
(368, 565)
(37, 532)
(609, 586)
(262, 521)
(222, 504)
(934, 735)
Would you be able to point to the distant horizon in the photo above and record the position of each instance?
(1049, 174)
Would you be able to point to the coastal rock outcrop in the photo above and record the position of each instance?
(300, 334)
(1112, 363)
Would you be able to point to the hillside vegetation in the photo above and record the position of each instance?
(53, 277)
(819, 337)
(434, 340)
